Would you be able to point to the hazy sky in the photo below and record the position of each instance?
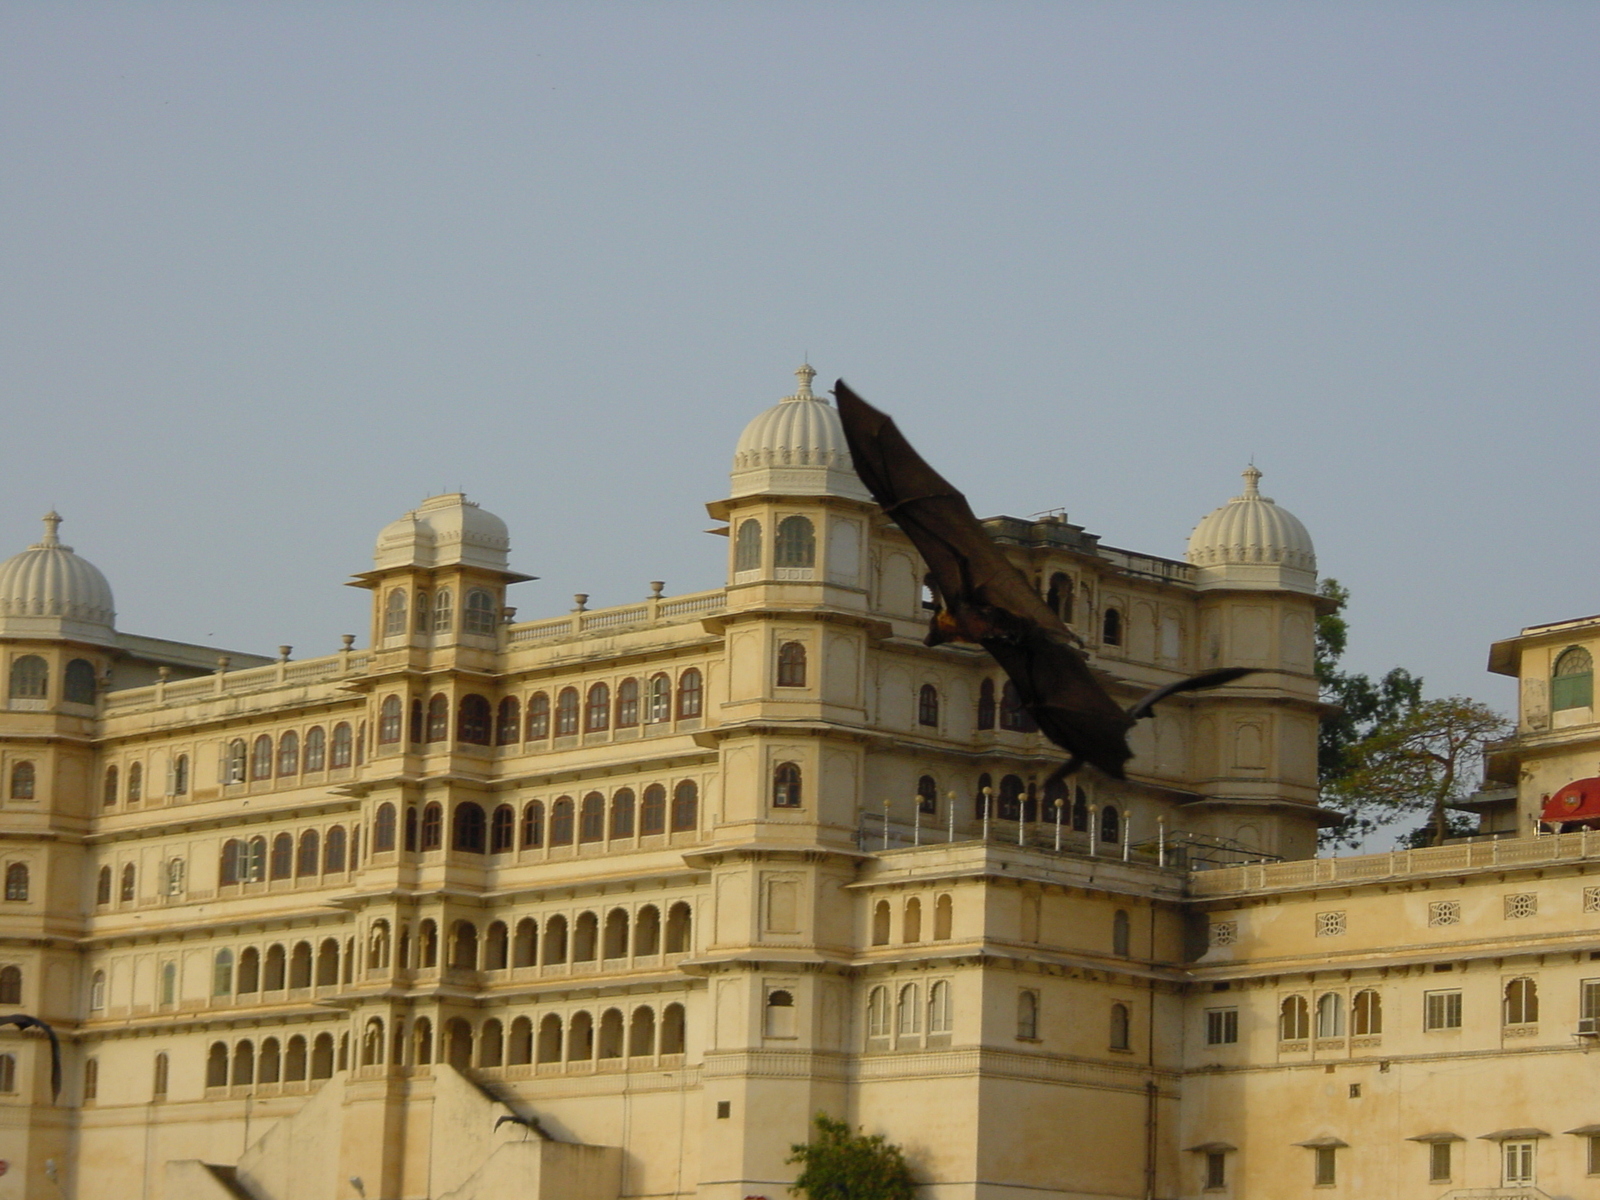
(275, 272)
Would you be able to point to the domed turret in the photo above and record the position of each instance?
(444, 531)
(1250, 542)
(48, 591)
(797, 448)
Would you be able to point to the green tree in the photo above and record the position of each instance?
(1417, 762)
(839, 1165)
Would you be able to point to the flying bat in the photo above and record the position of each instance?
(982, 598)
(526, 1122)
(23, 1021)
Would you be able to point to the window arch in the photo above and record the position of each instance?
(689, 693)
(1120, 1027)
(1294, 1019)
(261, 758)
(672, 1029)
(653, 811)
(394, 614)
(680, 920)
(1028, 1015)
(660, 702)
(102, 891)
(383, 828)
(424, 618)
(333, 850)
(97, 991)
(443, 611)
(30, 678)
(685, 807)
(878, 1012)
(508, 728)
(111, 787)
(180, 775)
(342, 742)
(1572, 680)
(928, 706)
(282, 865)
(1010, 805)
(532, 824)
(222, 973)
(627, 704)
(592, 818)
(927, 795)
(1059, 597)
(289, 754)
(911, 921)
(135, 783)
(786, 785)
(1521, 1002)
(1013, 715)
(986, 704)
(78, 682)
(939, 1007)
(880, 923)
(1110, 824)
(438, 717)
(548, 1049)
(597, 709)
(538, 727)
(561, 821)
(469, 827)
(389, 721)
(128, 883)
(780, 1014)
(747, 546)
(642, 1032)
(792, 665)
(309, 857)
(1080, 812)
(1330, 1015)
(17, 881)
(1366, 1013)
(1111, 627)
(622, 814)
(943, 917)
(22, 781)
(503, 830)
(567, 712)
(472, 725)
(479, 617)
(796, 543)
(316, 748)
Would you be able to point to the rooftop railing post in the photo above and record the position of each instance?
(1161, 840)
(886, 822)
(1058, 824)
(986, 814)
(916, 822)
(1094, 841)
(950, 803)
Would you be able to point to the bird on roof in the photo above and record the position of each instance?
(982, 598)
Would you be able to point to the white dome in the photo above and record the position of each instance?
(1250, 531)
(796, 447)
(48, 591)
(444, 531)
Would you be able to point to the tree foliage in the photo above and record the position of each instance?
(839, 1165)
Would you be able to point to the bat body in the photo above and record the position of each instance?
(984, 599)
(23, 1021)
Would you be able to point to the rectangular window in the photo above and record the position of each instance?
(1594, 1154)
(1589, 1005)
(1441, 1010)
(1518, 1162)
(1439, 1162)
(1222, 1026)
(1216, 1169)
(1326, 1174)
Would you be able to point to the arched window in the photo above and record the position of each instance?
(747, 546)
(222, 973)
(282, 856)
(1012, 715)
(580, 1038)
(1330, 1015)
(1120, 933)
(786, 785)
(102, 891)
(622, 814)
(472, 726)
(372, 1043)
(91, 1077)
(555, 940)
(135, 783)
(383, 828)
(532, 825)
(30, 678)
(217, 1066)
(672, 1029)
(1010, 806)
(567, 712)
(97, 991)
(443, 611)
(235, 762)
(792, 665)
(289, 754)
(409, 839)
(294, 1060)
(627, 704)
(1572, 680)
(480, 613)
(660, 707)
(309, 857)
(943, 917)
(780, 1015)
(10, 985)
(642, 1032)
(491, 1044)
(1111, 627)
(328, 962)
(1080, 812)
(389, 721)
(911, 921)
(1294, 1019)
(322, 1056)
(128, 882)
(253, 863)
(169, 983)
(685, 807)
(1028, 1015)
(1059, 597)
(78, 682)
(438, 717)
(268, 1069)
(525, 945)
(561, 821)
(158, 1088)
(1120, 1031)
(878, 1013)
(394, 614)
(469, 828)
(22, 781)
(1110, 824)
(653, 811)
(424, 617)
(1522, 1002)
(939, 1007)
(341, 745)
(180, 775)
(464, 946)
(880, 923)
(797, 543)
(647, 931)
(986, 704)
(549, 1047)
(615, 940)
(503, 830)
(927, 795)
(538, 717)
(109, 790)
(316, 749)
(17, 881)
(508, 728)
(928, 706)
(1366, 1014)
(333, 852)
(175, 876)
(261, 758)
(597, 709)
(679, 919)
(908, 1011)
(983, 798)
(689, 697)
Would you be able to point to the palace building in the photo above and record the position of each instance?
(609, 904)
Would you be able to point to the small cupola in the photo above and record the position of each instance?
(795, 448)
(1250, 542)
(47, 591)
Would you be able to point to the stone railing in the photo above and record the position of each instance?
(1430, 860)
(1164, 569)
(657, 610)
(238, 683)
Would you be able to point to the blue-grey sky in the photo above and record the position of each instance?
(275, 272)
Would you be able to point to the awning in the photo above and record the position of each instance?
(1512, 1135)
(1437, 1137)
(1586, 1131)
(1212, 1148)
(1323, 1143)
(1578, 801)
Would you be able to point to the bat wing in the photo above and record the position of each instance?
(1195, 683)
(24, 1021)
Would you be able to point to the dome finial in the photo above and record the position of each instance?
(1252, 480)
(804, 376)
(52, 522)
